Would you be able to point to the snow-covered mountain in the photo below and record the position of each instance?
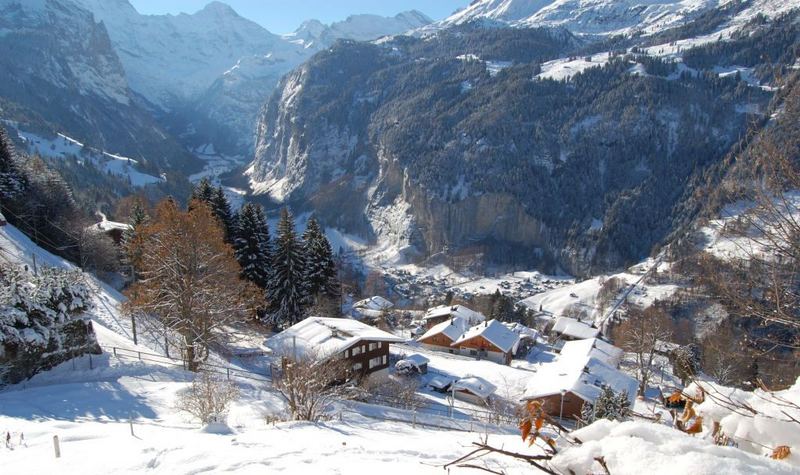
(171, 58)
(208, 73)
(59, 67)
(586, 16)
(316, 35)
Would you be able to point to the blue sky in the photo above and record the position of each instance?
(281, 16)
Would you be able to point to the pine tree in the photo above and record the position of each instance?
(204, 191)
(138, 218)
(222, 210)
(12, 180)
(610, 405)
(321, 276)
(252, 245)
(286, 290)
(215, 198)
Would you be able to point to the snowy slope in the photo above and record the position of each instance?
(111, 327)
(602, 17)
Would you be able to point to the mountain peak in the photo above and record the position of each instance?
(217, 8)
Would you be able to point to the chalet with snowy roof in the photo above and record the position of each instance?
(441, 336)
(571, 329)
(372, 307)
(437, 315)
(365, 348)
(577, 377)
(489, 340)
(528, 337)
(114, 230)
(473, 389)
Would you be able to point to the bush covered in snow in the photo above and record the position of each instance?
(761, 422)
(39, 324)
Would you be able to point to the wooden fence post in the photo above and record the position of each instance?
(56, 446)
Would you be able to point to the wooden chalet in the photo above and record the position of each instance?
(490, 340)
(364, 348)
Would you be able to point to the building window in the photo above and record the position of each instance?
(357, 367)
(384, 359)
(473, 352)
(374, 346)
(346, 353)
(375, 362)
(356, 351)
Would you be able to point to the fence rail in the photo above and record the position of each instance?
(228, 371)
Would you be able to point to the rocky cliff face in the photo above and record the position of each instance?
(459, 142)
(59, 64)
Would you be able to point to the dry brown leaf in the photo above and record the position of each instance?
(781, 452)
(697, 427)
(539, 423)
(525, 426)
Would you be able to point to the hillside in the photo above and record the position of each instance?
(510, 143)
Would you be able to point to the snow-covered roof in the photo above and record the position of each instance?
(492, 331)
(574, 329)
(373, 303)
(461, 311)
(452, 329)
(415, 360)
(319, 337)
(475, 385)
(522, 330)
(2, 219)
(440, 382)
(106, 226)
(583, 368)
(594, 348)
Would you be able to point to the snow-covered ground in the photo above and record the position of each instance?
(62, 146)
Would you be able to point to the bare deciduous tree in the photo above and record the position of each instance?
(209, 396)
(639, 334)
(309, 385)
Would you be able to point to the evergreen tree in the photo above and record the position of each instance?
(286, 290)
(204, 191)
(138, 218)
(610, 405)
(12, 179)
(222, 210)
(252, 245)
(216, 200)
(321, 276)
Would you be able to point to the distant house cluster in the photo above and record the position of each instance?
(581, 366)
(459, 330)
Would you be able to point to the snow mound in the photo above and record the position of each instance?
(641, 447)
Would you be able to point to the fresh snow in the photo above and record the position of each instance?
(62, 146)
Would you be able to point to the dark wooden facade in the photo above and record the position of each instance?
(573, 405)
(367, 357)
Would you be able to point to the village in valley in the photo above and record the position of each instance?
(521, 237)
